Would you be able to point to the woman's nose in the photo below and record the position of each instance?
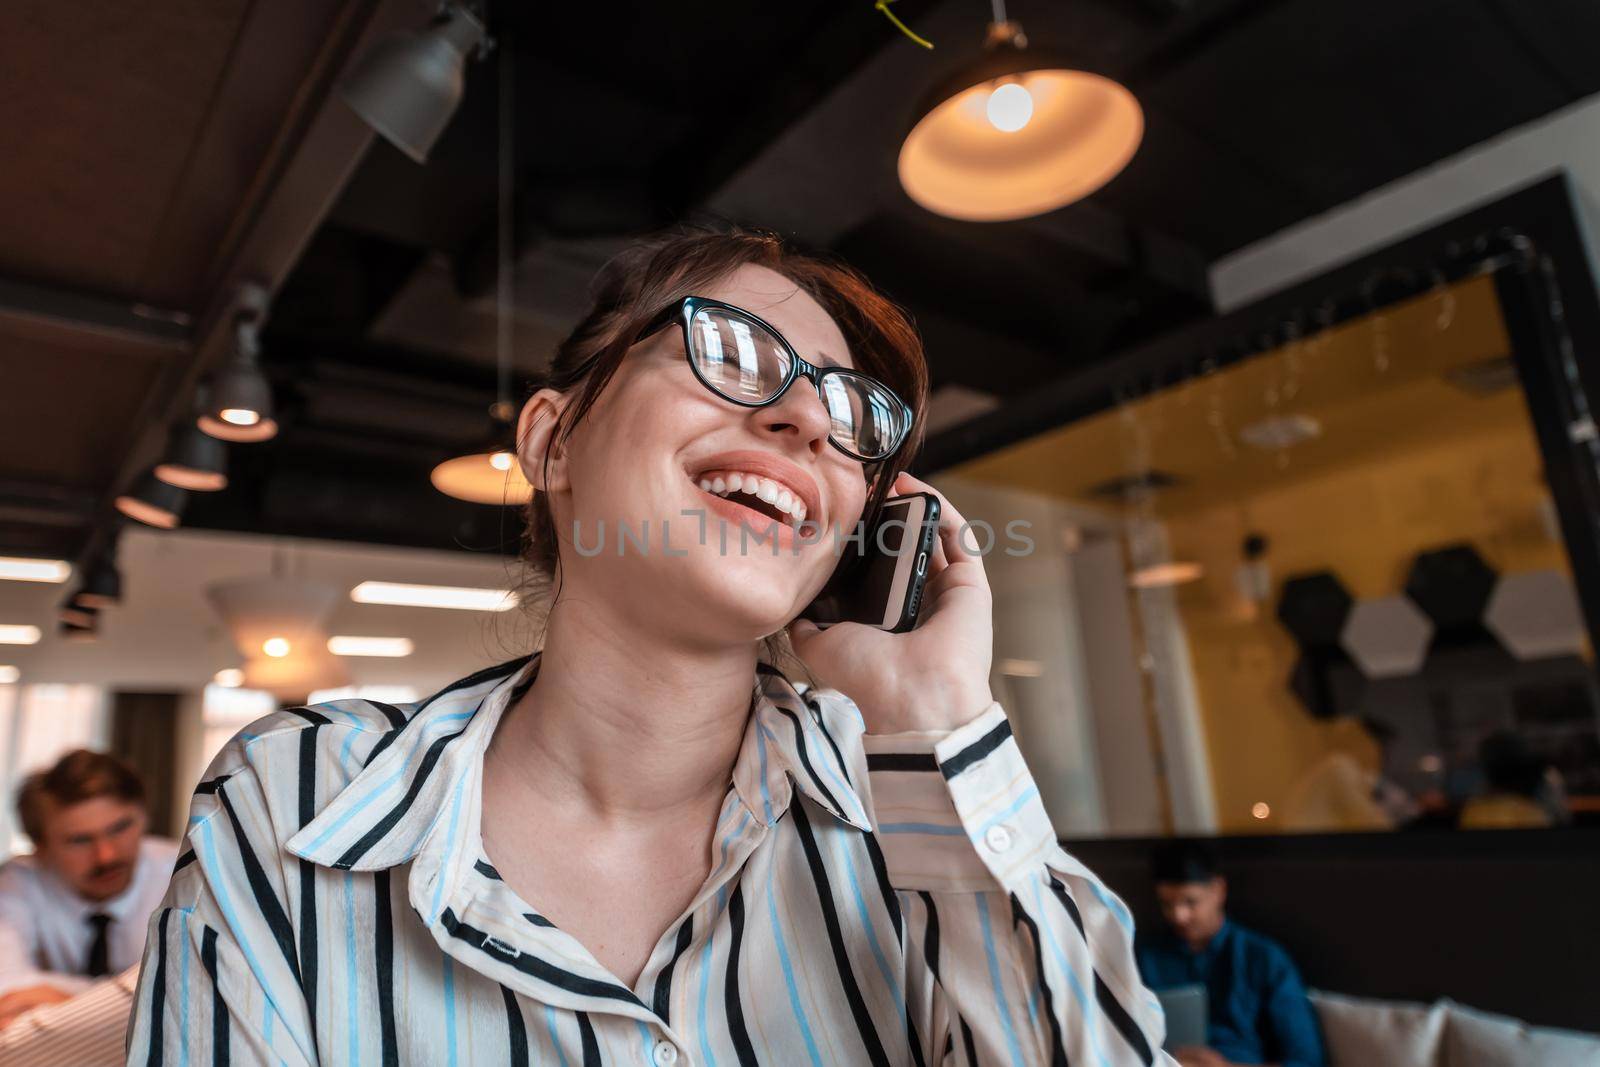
(798, 413)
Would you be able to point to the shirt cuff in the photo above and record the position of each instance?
(957, 810)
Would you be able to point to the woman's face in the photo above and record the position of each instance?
(633, 467)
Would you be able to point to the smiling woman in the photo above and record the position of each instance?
(645, 840)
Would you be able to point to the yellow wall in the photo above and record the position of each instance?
(1365, 522)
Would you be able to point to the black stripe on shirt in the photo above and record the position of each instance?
(1058, 1054)
(1120, 1019)
(591, 1047)
(266, 900)
(308, 878)
(487, 870)
(830, 920)
(211, 785)
(537, 920)
(977, 750)
(397, 724)
(353, 854)
(930, 934)
(498, 671)
(805, 758)
(220, 1024)
(663, 993)
(383, 921)
(966, 1042)
(517, 1036)
(738, 1033)
(901, 761)
(315, 718)
(158, 995)
(891, 899)
(183, 861)
(530, 964)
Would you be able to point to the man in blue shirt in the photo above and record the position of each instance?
(1257, 1008)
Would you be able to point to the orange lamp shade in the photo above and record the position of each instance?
(987, 152)
(483, 478)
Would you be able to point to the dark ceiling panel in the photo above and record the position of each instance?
(102, 105)
(66, 404)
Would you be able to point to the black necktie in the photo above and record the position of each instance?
(99, 952)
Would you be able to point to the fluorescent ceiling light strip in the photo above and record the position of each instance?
(393, 647)
(19, 635)
(8, 674)
(434, 596)
(24, 569)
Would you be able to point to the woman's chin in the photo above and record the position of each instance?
(752, 595)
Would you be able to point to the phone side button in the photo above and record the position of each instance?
(922, 563)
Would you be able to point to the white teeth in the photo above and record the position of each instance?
(774, 493)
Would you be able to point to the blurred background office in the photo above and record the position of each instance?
(1276, 322)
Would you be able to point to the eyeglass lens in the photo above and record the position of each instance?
(748, 364)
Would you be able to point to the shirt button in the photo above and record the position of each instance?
(998, 838)
(666, 1053)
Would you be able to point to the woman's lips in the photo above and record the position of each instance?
(762, 528)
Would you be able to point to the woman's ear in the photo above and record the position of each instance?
(536, 437)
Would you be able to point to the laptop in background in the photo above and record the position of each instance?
(1186, 1009)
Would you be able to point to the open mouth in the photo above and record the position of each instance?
(766, 497)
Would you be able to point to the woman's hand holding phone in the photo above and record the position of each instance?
(935, 677)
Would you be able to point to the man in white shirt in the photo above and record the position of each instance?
(75, 911)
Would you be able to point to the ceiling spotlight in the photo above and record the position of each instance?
(1018, 133)
(194, 460)
(276, 647)
(154, 503)
(28, 569)
(461, 598)
(103, 586)
(18, 634)
(238, 405)
(229, 678)
(408, 86)
(387, 647)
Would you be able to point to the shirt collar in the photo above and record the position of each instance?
(431, 771)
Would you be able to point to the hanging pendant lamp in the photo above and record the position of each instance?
(1019, 133)
(489, 473)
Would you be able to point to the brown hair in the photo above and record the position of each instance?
(78, 776)
(651, 275)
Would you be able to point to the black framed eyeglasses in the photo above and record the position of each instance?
(747, 362)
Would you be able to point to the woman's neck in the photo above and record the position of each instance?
(621, 728)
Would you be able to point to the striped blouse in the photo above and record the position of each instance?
(874, 899)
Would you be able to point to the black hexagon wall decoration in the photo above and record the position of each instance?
(1309, 682)
(1452, 586)
(1314, 608)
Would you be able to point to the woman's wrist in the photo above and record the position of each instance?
(939, 707)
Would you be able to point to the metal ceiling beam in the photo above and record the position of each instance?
(71, 313)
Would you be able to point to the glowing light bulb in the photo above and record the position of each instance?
(1010, 107)
(1260, 810)
(500, 461)
(240, 416)
(276, 647)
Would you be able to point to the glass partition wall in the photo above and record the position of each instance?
(1321, 588)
